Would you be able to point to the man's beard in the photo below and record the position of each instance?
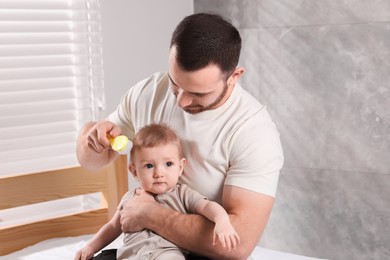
(195, 109)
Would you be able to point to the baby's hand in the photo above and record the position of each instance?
(84, 253)
(225, 233)
(139, 191)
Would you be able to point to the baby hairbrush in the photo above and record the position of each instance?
(120, 144)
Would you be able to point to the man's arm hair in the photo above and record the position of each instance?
(248, 211)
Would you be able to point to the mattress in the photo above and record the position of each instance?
(65, 248)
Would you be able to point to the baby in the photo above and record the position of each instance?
(157, 163)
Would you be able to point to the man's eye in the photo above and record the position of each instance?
(169, 164)
(148, 165)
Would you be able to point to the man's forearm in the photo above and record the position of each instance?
(248, 213)
(190, 231)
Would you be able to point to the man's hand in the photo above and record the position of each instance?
(93, 146)
(97, 135)
(135, 211)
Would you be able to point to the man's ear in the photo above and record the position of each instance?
(182, 164)
(133, 170)
(237, 73)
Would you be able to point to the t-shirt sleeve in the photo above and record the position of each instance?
(125, 197)
(122, 116)
(189, 197)
(256, 156)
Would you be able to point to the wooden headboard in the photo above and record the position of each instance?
(28, 189)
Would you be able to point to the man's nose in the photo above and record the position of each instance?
(183, 99)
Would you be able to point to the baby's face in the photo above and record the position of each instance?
(158, 169)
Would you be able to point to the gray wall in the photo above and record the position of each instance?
(322, 67)
(136, 37)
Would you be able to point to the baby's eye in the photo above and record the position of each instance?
(169, 164)
(148, 166)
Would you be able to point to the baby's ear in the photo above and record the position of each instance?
(183, 162)
(133, 170)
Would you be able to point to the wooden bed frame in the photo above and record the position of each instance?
(27, 189)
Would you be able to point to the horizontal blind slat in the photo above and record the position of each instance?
(49, 60)
(41, 83)
(48, 4)
(47, 27)
(32, 119)
(50, 38)
(17, 143)
(28, 4)
(50, 49)
(15, 27)
(28, 73)
(48, 15)
(38, 129)
(49, 95)
(60, 71)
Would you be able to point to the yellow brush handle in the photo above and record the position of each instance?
(118, 143)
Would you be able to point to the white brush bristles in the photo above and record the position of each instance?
(127, 149)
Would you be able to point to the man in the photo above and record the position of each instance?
(232, 145)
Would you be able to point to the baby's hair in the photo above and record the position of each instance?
(153, 135)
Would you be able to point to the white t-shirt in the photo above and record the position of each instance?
(236, 144)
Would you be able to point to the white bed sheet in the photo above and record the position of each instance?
(65, 248)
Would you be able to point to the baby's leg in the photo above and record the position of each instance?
(171, 255)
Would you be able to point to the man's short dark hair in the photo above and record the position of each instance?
(202, 39)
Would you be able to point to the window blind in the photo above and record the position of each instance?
(51, 81)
